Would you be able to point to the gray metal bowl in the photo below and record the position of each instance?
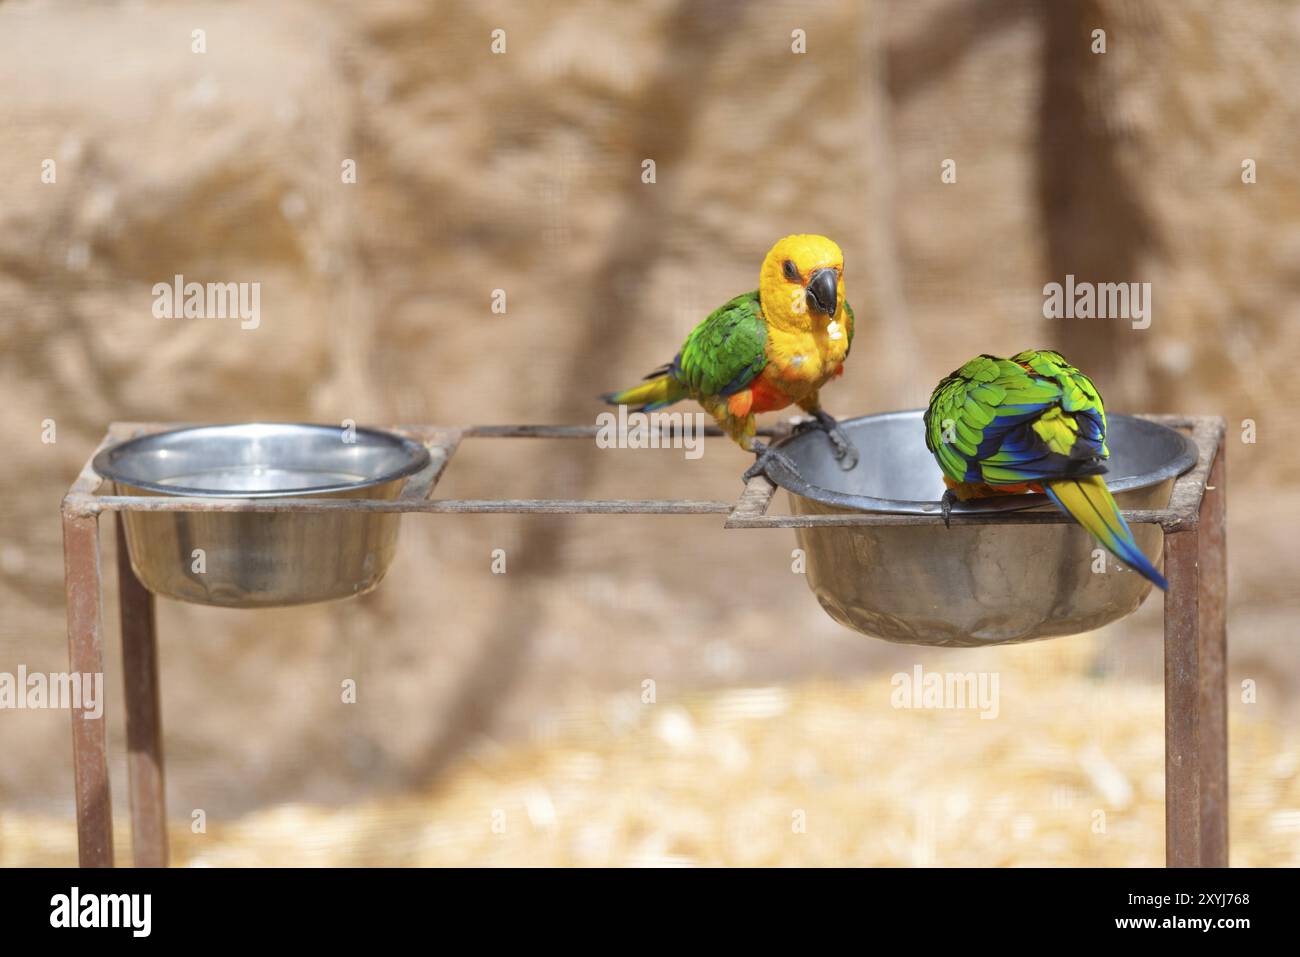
(969, 585)
(262, 559)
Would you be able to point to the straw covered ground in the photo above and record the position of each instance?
(817, 773)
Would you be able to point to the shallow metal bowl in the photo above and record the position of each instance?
(262, 559)
(968, 585)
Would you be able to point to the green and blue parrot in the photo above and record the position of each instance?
(1031, 423)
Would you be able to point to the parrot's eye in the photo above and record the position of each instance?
(790, 271)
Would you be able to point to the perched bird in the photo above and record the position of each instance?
(1031, 423)
(765, 350)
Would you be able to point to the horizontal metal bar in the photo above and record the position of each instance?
(751, 508)
(878, 520)
(586, 431)
(778, 429)
(1189, 489)
(442, 445)
(161, 503)
(80, 498)
(121, 431)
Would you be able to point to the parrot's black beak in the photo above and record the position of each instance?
(823, 291)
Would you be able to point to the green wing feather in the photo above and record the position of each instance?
(960, 407)
(724, 353)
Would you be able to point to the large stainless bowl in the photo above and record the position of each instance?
(967, 585)
(262, 559)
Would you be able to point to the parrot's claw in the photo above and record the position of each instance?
(766, 454)
(945, 503)
(844, 451)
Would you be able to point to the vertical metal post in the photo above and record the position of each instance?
(1182, 698)
(1212, 660)
(1196, 734)
(86, 656)
(143, 713)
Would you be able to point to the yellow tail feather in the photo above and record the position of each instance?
(1089, 502)
(652, 394)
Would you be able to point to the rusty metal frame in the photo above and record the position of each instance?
(1196, 735)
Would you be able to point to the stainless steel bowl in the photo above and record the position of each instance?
(262, 559)
(968, 585)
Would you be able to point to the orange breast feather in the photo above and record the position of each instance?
(768, 396)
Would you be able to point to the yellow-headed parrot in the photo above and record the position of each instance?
(765, 350)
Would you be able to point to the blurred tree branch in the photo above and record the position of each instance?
(663, 115)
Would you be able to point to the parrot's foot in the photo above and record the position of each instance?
(946, 504)
(766, 454)
(844, 451)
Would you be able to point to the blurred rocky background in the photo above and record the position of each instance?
(522, 171)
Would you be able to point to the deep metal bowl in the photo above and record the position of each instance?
(969, 585)
(262, 559)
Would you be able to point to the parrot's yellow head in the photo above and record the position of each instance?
(801, 285)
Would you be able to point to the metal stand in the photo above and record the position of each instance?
(1196, 733)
